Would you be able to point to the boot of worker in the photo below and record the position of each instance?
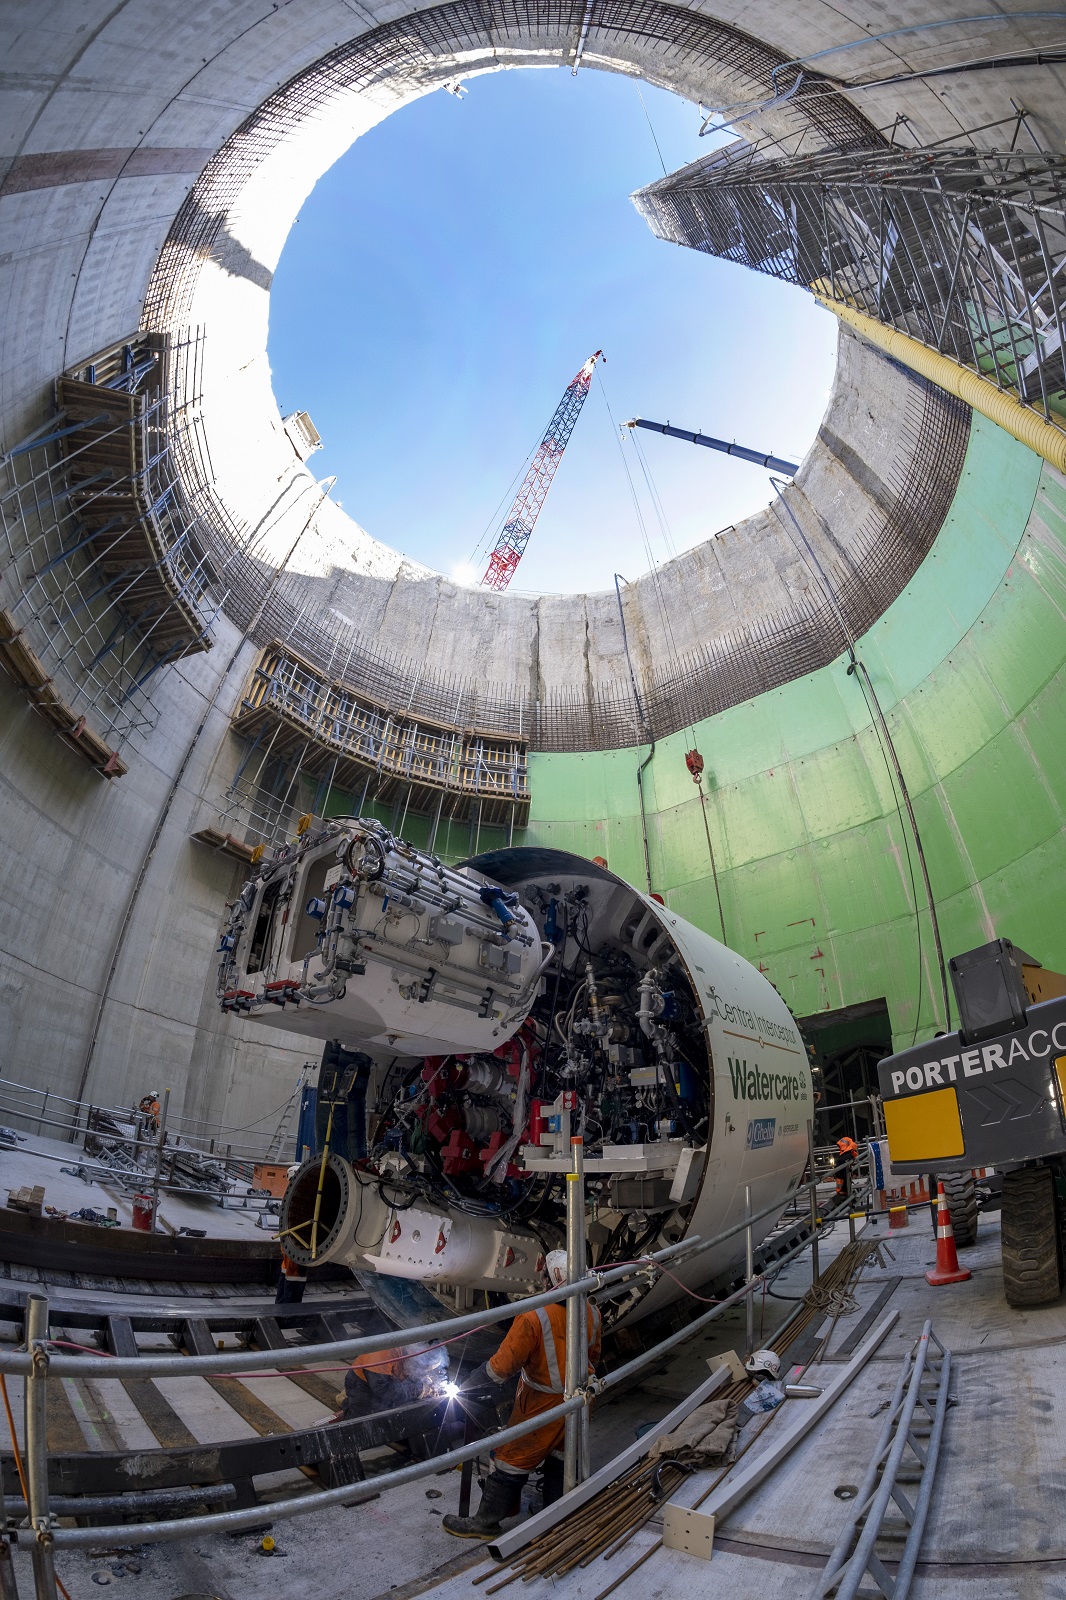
(552, 1480)
(500, 1498)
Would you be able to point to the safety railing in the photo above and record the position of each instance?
(39, 1365)
(39, 1109)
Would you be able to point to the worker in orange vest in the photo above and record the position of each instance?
(292, 1281)
(149, 1109)
(535, 1347)
(381, 1379)
(844, 1162)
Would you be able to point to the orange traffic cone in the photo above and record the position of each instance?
(947, 1269)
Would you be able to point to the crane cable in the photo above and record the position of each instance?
(697, 775)
(664, 614)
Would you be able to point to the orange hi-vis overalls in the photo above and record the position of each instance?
(536, 1347)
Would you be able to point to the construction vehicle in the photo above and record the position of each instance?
(993, 1095)
(526, 506)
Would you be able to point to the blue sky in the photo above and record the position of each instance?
(450, 274)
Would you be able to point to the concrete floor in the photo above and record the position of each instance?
(40, 1160)
(995, 1531)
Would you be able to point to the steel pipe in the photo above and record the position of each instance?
(250, 1517)
(575, 1447)
(281, 1510)
(624, 1373)
(36, 1434)
(234, 1363)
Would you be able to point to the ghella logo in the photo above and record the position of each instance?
(753, 1083)
(761, 1133)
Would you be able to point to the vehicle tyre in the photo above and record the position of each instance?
(961, 1195)
(1032, 1263)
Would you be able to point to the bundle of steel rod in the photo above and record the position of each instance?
(605, 1524)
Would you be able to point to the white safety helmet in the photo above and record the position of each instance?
(766, 1362)
(556, 1268)
(291, 1172)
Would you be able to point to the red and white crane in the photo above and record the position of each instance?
(527, 503)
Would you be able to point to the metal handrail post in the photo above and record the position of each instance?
(8, 1584)
(584, 1462)
(250, 1517)
(749, 1276)
(36, 1433)
(813, 1192)
(577, 1363)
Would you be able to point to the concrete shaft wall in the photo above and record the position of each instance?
(107, 116)
(816, 870)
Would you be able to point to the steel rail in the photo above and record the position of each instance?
(65, 1366)
(149, 1366)
(280, 1510)
(349, 1494)
(622, 1374)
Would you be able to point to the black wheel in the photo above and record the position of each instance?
(1032, 1265)
(962, 1204)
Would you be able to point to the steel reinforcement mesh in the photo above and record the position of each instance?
(724, 671)
(415, 46)
(961, 249)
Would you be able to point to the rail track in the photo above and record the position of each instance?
(142, 1447)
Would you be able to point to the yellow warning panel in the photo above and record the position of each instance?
(924, 1127)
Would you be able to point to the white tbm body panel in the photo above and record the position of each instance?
(494, 1012)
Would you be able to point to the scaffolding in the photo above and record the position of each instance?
(104, 581)
(309, 739)
(964, 250)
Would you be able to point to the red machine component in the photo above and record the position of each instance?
(527, 503)
(536, 1122)
(459, 1155)
(511, 1053)
(490, 1151)
(694, 763)
(442, 1123)
(439, 1074)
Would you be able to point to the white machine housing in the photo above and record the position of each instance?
(592, 1010)
(351, 934)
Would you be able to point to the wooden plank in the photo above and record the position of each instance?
(63, 1429)
(319, 1385)
(159, 1414)
(248, 1406)
(98, 1425)
(156, 1411)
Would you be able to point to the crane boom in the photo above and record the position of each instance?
(775, 463)
(527, 503)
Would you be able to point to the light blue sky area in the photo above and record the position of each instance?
(450, 274)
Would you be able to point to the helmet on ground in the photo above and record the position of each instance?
(555, 1266)
(763, 1361)
(847, 1147)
